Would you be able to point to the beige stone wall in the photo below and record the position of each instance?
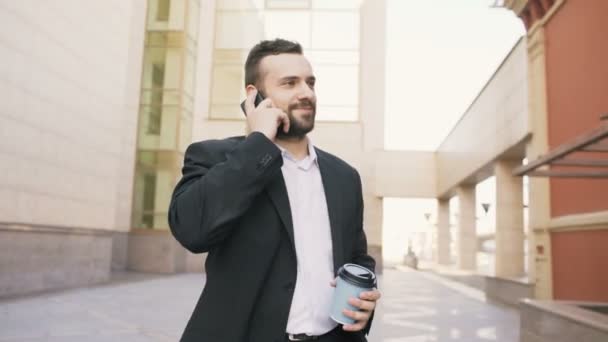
(70, 81)
(409, 173)
(495, 122)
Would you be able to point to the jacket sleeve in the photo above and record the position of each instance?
(215, 191)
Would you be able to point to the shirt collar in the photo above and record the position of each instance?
(305, 163)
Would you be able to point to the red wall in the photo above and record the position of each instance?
(577, 93)
(580, 265)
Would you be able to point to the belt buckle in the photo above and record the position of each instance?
(301, 337)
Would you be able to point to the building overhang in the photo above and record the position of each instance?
(562, 162)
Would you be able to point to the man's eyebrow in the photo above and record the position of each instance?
(288, 78)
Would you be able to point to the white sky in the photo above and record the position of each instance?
(440, 54)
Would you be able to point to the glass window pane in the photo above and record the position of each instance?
(287, 4)
(335, 30)
(239, 4)
(230, 111)
(238, 30)
(177, 16)
(337, 85)
(162, 12)
(336, 4)
(193, 10)
(336, 113)
(230, 56)
(228, 85)
(290, 25)
(336, 57)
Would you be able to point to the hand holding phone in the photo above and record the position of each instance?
(263, 116)
(258, 99)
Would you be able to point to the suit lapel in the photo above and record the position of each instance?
(277, 191)
(332, 197)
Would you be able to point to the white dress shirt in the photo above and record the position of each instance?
(310, 307)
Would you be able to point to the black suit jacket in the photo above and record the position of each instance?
(232, 202)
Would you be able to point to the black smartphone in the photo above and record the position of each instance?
(258, 99)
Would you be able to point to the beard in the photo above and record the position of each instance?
(298, 128)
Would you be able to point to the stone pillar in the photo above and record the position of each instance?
(509, 260)
(539, 240)
(467, 233)
(371, 114)
(442, 242)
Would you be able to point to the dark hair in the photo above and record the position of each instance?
(263, 49)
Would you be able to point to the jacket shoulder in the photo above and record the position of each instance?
(213, 150)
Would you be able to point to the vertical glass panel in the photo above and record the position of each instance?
(149, 190)
(165, 116)
(189, 72)
(238, 30)
(185, 132)
(230, 56)
(229, 111)
(158, 131)
(227, 84)
(177, 17)
(288, 4)
(333, 57)
(290, 25)
(337, 85)
(335, 30)
(193, 14)
(337, 4)
(336, 113)
(173, 69)
(240, 4)
(162, 13)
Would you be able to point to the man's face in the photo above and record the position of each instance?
(289, 82)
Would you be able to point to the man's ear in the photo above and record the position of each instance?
(249, 88)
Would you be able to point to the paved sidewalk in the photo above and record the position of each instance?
(420, 307)
(415, 307)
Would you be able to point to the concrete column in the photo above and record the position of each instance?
(467, 234)
(509, 260)
(539, 240)
(372, 43)
(443, 232)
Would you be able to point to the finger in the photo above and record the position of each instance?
(364, 305)
(353, 327)
(370, 295)
(249, 101)
(357, 315)
(266, 103)
(285, 120)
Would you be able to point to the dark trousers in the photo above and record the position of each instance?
(336, 335)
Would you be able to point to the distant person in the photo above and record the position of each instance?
(277, 215)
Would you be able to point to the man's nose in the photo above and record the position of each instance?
(306, 92)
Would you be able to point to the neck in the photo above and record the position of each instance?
(297, 147)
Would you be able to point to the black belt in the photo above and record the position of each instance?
(305, 337)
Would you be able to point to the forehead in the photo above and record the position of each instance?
(283, 65)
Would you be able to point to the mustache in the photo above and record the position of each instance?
(304, 104)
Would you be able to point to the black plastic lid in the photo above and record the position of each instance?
(357, 275)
